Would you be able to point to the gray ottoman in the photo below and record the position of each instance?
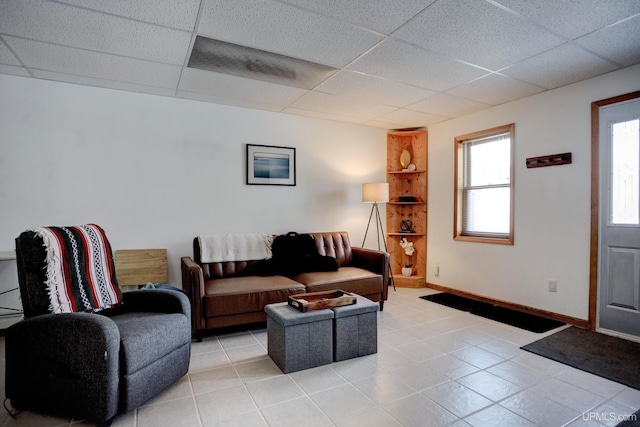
(355, 330)
(298, 340)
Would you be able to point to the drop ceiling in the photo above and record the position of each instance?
(397, 64)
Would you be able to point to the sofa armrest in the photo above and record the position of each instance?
(193, 285)
(157, 300)
(374, 261)
(64, 363)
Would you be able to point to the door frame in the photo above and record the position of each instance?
(595, 201)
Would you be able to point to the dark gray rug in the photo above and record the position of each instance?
(507, 316)
(632, 421)
(599, 354)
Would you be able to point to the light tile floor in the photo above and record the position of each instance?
(435, 366)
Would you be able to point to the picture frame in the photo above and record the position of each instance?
(271, 165)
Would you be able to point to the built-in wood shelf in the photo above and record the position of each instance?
(409, 281)
(407, 183)
(407, 172)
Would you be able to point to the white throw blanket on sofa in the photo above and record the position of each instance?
(235, 247)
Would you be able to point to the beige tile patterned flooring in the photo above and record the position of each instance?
(435, 366)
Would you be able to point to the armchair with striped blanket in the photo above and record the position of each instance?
(85, 349)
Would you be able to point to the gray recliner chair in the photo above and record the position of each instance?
(92, 365)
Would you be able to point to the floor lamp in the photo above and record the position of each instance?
(377, 192)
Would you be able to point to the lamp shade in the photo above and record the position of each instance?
(375, 192)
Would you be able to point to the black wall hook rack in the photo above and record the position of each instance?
(550, 160)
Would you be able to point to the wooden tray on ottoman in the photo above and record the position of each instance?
(321, 300)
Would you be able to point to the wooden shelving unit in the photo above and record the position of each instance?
(137, 267)
(407, 184)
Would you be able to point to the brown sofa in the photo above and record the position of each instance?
(228, 293)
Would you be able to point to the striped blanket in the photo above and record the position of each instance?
(81, 274)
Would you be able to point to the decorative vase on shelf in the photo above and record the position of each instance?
(406, 270)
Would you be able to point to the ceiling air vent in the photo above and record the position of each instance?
(242, 61)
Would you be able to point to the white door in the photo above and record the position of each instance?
(619, 257)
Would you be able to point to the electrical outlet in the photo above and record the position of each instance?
(436, 269)
(553, 285)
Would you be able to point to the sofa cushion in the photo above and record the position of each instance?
(360, 281)
(238, 295)
(336, 245)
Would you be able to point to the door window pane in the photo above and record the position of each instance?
(625, 171)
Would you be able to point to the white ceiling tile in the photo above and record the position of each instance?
(284, 29)
(620, 43)
(495, 89)
(6, 57)
(13, 70)
(383, 125)
(108, 84)
(398, 61)
(478, 32)
(372, 88)
(319, 115)
(71, 26)
(409, 118)
(383, 16)
(440, 59)
(235, 102)
(572, 18)
(49, 57)
(179, 14)
(228, 86)
(447, 105)
(559, 66)
(335, 104)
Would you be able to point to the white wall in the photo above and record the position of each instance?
(552, 204)
(156, 171)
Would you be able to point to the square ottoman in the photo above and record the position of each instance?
(355, 329)
(297, 341)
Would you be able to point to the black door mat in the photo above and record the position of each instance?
(606, 356)
(507, 316)
(632, 421)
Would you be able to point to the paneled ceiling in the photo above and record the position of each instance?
(395, 64)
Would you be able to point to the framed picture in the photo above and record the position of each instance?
(269, 165)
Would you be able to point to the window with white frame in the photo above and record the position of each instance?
(484, 186)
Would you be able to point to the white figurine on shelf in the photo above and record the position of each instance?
(407, 246)
(408, 250)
